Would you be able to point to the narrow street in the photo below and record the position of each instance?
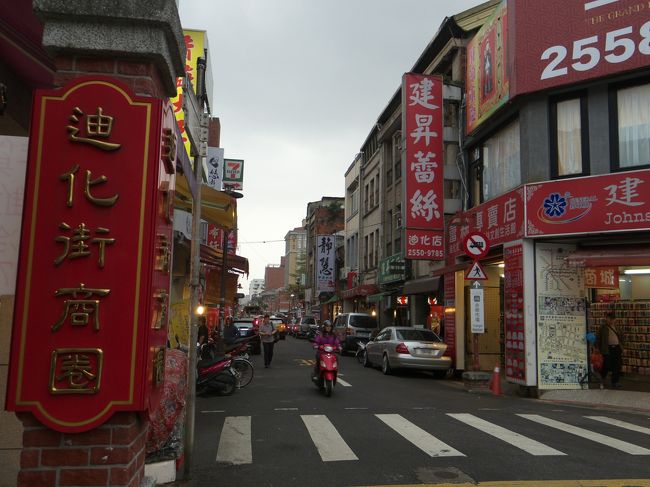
(406, 428)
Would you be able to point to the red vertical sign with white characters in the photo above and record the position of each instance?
(513, 296)
(450, 317)
(423, 167)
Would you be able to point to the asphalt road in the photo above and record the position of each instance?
(407, 428)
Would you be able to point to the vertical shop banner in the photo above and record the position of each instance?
(500, 219)
(325, 263)
(195, 43)
(488, 85)
(215, 166)
(606, 203)
(559, 43)
(215, 239)
(449, 323)
(561, 318)
(233, 174)
(513, 297)
(422, 119)
(92, 299)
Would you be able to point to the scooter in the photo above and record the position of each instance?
(215, 375)
(361, 351)
(328, 370)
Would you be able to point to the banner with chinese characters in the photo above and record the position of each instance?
(513, 316)
(215, 167)
(500, 219)
(605, 203)
(325, 249)
(233, 174)
(601, 277)
(561, 319)
(557, 43)
(488, 85)
(92, 298)
(422, 115)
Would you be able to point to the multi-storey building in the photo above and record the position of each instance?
(255, 287)
(295, 257)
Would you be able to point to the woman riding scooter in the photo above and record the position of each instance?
(325, 337)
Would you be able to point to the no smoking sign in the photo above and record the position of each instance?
(476, 245)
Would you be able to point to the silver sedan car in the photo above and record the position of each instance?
(405, 347)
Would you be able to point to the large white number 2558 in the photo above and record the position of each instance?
(587, 56)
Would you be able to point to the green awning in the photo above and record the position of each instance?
(374, 298)
(331, 300)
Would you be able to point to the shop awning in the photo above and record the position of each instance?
(614, 255)
(427, 285)
(214, 258)
(360, 290)
(375, 298)
(331, 300)
(217, 207)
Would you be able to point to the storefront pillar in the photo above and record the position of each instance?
(140, 45)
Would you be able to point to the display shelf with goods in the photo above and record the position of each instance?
(633, 320)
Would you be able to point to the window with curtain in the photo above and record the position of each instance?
(501, 162)
(569, 137)
(633, 126)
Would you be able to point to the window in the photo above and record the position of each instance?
(501, 162)
(569, 143)
(365, 198)
(633, 134)
(376, 262)
(365, 252)
(372, 192)
(397, 155)
(354, 202)
(377, 189)
(371, 252)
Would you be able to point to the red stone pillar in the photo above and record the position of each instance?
(112, 454)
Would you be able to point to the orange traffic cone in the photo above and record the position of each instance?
(495, 381)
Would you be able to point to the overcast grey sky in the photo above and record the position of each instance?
(298, 84)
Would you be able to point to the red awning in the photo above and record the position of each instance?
(360, 290)
(614, 255)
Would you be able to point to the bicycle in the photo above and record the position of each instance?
(244, 371)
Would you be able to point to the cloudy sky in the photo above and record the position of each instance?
(298, 84)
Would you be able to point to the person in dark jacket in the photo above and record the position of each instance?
(610, 344)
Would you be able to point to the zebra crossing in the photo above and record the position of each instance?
(235, 445)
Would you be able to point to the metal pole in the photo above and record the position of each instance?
(222, 287)
(195, 272)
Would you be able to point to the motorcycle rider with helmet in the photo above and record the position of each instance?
(325, 337)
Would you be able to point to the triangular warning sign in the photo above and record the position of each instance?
(476, 273)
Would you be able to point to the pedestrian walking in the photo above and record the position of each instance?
(610, 342)
(267, 335)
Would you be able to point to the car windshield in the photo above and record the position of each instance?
(363, 321)
(416, 335)
(308, 321)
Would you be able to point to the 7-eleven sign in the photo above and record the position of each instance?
(233, 174)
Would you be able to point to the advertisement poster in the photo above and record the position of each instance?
(215, 165)
(325, 263)
(513, 297)
(561, 318)
(423, 169)
(488, 86)
(559, 43)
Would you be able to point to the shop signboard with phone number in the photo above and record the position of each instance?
(558, 42)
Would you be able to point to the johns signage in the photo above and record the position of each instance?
(91, 313)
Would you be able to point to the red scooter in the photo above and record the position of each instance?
(215, 375)
(328, 369)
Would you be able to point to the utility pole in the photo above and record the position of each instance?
(195, 283)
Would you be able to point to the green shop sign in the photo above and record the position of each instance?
(391, 269)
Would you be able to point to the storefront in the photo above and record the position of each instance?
(563, 253)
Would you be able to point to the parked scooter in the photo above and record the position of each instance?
(215, 375)
(328, 369)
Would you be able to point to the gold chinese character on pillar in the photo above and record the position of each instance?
(98, 125)
(76, 370)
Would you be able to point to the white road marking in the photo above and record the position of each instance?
(342, 382)
(621, 424)
(214, 411)
(235, 445)
(589, 435)
(426, 442)
(515, 439)
(355, 409)
(285, 409)
(330, 445)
